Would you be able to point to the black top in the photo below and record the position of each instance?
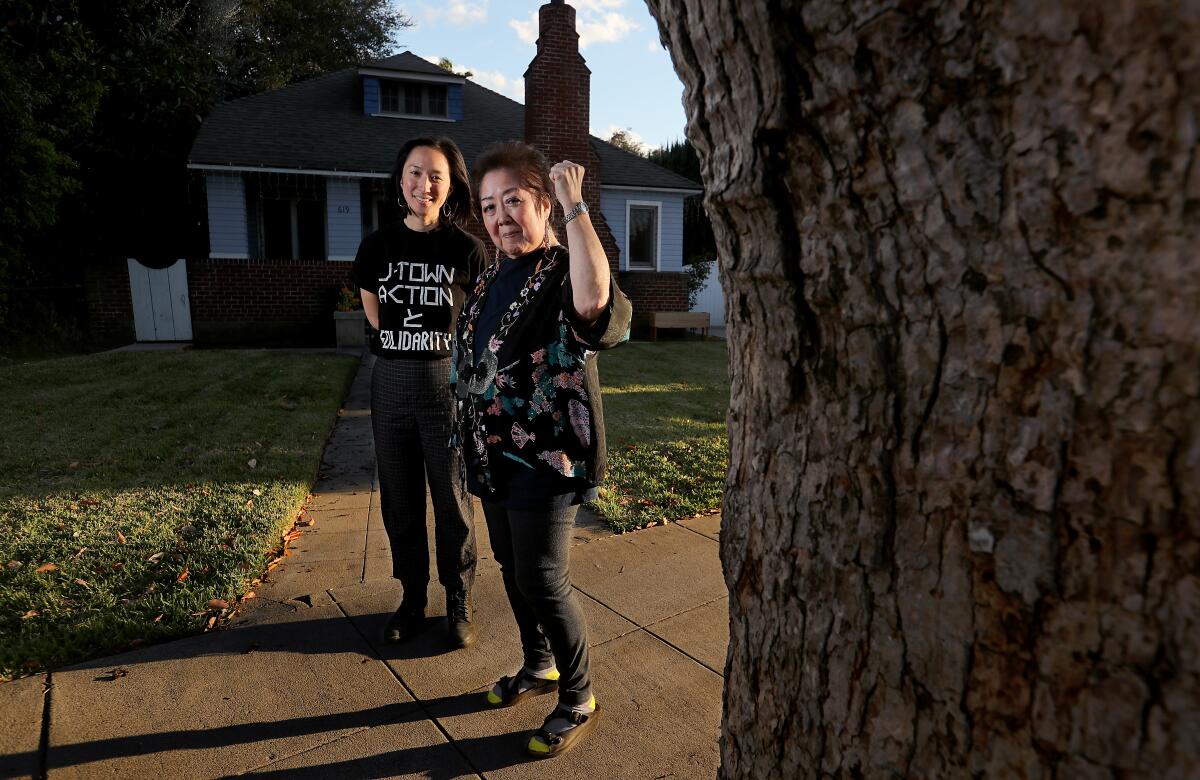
(531, 422)
(421, 281)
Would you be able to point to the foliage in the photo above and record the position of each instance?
(347, 300)
(678, 156)
(697, 274)
(447, 64)
(664, 413)
(104, 546)
(41, 44)
(623, 139)
(699, 243)
(101, 102)
(268, 44)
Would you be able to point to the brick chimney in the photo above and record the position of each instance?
(558, 110)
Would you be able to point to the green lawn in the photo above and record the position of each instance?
(137, 488)
(664, 413)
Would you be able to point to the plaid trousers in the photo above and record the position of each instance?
(412, 419)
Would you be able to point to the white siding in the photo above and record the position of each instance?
(344, 211)
(226, 215)
(712, 300)
(613, 203)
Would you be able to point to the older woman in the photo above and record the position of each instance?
(531, 422)
(414, 276)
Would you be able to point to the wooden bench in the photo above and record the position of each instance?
(677, 319)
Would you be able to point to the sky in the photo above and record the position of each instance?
(495, 40)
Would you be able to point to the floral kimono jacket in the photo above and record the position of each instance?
(533, 399)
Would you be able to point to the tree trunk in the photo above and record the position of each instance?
(960, 250)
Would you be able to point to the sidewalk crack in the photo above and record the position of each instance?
(44, 740)
(412, 694)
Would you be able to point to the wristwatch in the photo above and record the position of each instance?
(580, 208)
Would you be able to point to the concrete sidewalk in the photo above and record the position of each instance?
(300, 685)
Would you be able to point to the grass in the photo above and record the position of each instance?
(664, 414)
(139, 491)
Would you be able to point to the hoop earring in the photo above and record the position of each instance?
(400, 204)
(546, 238)
(446, 210)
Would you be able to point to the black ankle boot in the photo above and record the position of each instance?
(458, 618)
(404, 624)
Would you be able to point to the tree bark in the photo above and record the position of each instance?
(960, 250)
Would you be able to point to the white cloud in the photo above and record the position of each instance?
(456, 12)
(461, 12)
(609, 28)
(498, 82)
(527, 30)
(629, 134)
(595, 20)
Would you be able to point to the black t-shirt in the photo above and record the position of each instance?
(420, 281)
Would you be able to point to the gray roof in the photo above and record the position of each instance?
(319, 124)
(408, 62)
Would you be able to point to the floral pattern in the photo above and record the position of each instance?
(536, 410)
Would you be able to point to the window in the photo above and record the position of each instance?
(287, 215)
(377, 210)
(406, 97)
(293, 229)
(642, 227)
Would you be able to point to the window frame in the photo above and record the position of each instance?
(403, 88)
(657, 205)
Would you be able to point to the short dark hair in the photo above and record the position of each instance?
(527, 163)
(459, 200)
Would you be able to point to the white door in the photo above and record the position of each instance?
(160, 302)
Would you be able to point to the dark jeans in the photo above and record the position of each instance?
(533, 549)
(411, 411)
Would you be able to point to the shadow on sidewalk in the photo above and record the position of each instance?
(316, 636)
(63, 756)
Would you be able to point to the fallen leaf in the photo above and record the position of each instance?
(256, 492)
(250, 595)
(79, 554)
(80, 581)
(211, 622)
(73, 464)
(14, 565)
(118, 566)
(114, 674)
(183, 575)
(120, 538)
(46, 567)
(88, 502)
(252, 463)
(198, 614)
(220, 604)
(249, 503)
(157, 619)
(30, 614)
(158, 556)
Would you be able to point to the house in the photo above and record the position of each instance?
(293, 179)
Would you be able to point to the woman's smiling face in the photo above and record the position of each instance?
(425, 182)
(515, 217)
